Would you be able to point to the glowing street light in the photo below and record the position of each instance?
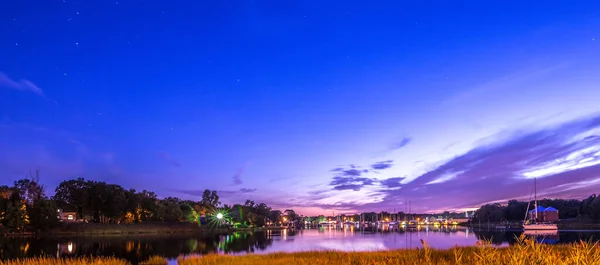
(219, 216)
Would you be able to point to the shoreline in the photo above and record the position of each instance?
(166, 229)
(134, 230)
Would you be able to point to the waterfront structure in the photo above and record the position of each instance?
(67, 215)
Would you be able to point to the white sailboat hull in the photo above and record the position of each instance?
(540, 227)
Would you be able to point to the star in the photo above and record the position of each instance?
(17, 44)
(65, 74)
(77, 43)
(77, 12)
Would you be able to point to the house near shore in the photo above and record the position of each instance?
(67, 215)
(549, 214)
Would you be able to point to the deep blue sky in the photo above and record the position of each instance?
(294, 103)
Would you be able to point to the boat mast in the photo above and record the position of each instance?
(535, 198)
(410, 209)
(405, 210)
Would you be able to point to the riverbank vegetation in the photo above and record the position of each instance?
(25, 208)
(524, 252)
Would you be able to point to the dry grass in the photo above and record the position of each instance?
(526, 252)
(155, 260)
(75, 261)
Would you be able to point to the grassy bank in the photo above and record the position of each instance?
(525, 252)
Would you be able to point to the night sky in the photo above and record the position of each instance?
(317, 105)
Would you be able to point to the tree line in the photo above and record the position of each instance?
(587, 209)
(24, 206)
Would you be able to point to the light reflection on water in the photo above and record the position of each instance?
(137, 249)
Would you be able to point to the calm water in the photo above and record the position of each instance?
(140, 248)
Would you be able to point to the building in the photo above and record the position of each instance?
(67, 215)
(549, 214)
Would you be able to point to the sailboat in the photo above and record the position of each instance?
(534, 225)
(411, 223)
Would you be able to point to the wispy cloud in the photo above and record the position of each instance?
(392, 182)
(382, 165)
(279, 179)
(510, 81)
(232, 193)
(57, 154)
(26, 85)
(237, 177)
(565, 157)
(399, 144)
(167, 157)
(501, 170)
(222, 193)
(350, 178)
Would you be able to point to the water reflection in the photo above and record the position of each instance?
(346, 238)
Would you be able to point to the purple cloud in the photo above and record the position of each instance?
(22, 84)
(279, 179)
(565, 159)
(382, 165)
(399, 144)
(350, 178)
(392, 182)
(237, 177)
(222, 193)
(504, 170)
